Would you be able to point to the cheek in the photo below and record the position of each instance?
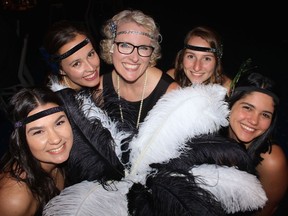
(265, 124)
(187, 63)
(73, 73)
(36, 145)
(210, 67)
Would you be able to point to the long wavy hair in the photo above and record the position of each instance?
(214, 40)
(18, 162)
(250, 82)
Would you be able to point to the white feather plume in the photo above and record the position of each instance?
(89, 199)
(235, 189)
(195, 110)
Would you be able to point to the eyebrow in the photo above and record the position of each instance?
(37, 127)
(249, 104)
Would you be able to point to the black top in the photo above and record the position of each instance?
(131, 109)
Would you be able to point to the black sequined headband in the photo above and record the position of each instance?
(204, 49)
(38, 116)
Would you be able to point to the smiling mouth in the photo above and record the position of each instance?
(90, 76)
(248, 128)
(57, 150)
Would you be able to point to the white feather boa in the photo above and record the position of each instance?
(178, 116)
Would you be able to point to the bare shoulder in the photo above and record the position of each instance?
(273, 174)
(16, 198)
(275, 159)
(273, 169)
(171, 72)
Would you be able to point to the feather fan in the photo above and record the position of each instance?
(236, 190)
(199, 109)
(90, 199)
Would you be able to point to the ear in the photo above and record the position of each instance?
(111, 49)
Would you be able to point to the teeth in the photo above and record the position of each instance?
(58, 149)
(90, 76)
(248, 128)
(129, 66)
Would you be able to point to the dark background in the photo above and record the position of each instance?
(257, 31)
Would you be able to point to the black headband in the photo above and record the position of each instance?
(38, 115)
(217, 52)
(253, 88)
(58, 58)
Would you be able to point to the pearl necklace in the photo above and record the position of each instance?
(141, 102)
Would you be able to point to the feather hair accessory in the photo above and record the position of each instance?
(195, 110)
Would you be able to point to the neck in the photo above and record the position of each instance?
(141, 99)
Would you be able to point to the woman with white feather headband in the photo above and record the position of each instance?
(177, 165)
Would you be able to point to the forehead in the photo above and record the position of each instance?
(198, 41)
(260, 100)
(130, 37)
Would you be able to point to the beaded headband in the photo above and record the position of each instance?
(136, 32)
(38, 115)
(58, 58)
(113, 29)
(218, 52)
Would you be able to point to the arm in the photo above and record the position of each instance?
(273, 174)
(16, 199)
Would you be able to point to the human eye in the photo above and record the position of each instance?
(145, 48)
(61, 121)
(37, 132)
(189, 56)
(91, 53)
(208, 58)
(76, 64)
(125, 45)
(247, 107)
(267, 115)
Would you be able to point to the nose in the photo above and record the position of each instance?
(197, 65)
(54, 137)
(89, 66)
(253, 119)
(134, 55)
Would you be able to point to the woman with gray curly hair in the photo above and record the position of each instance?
(131, 44)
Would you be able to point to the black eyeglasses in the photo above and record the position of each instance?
(127, 48)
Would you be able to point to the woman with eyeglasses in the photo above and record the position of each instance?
(132, 45)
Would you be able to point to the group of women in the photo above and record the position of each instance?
(119, 104)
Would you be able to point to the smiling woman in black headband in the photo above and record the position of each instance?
(200, 59)
(254, 105)
(70, 54)
(42, 140)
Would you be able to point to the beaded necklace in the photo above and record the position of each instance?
(141, 102)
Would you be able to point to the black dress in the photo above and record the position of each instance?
(131, 109)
